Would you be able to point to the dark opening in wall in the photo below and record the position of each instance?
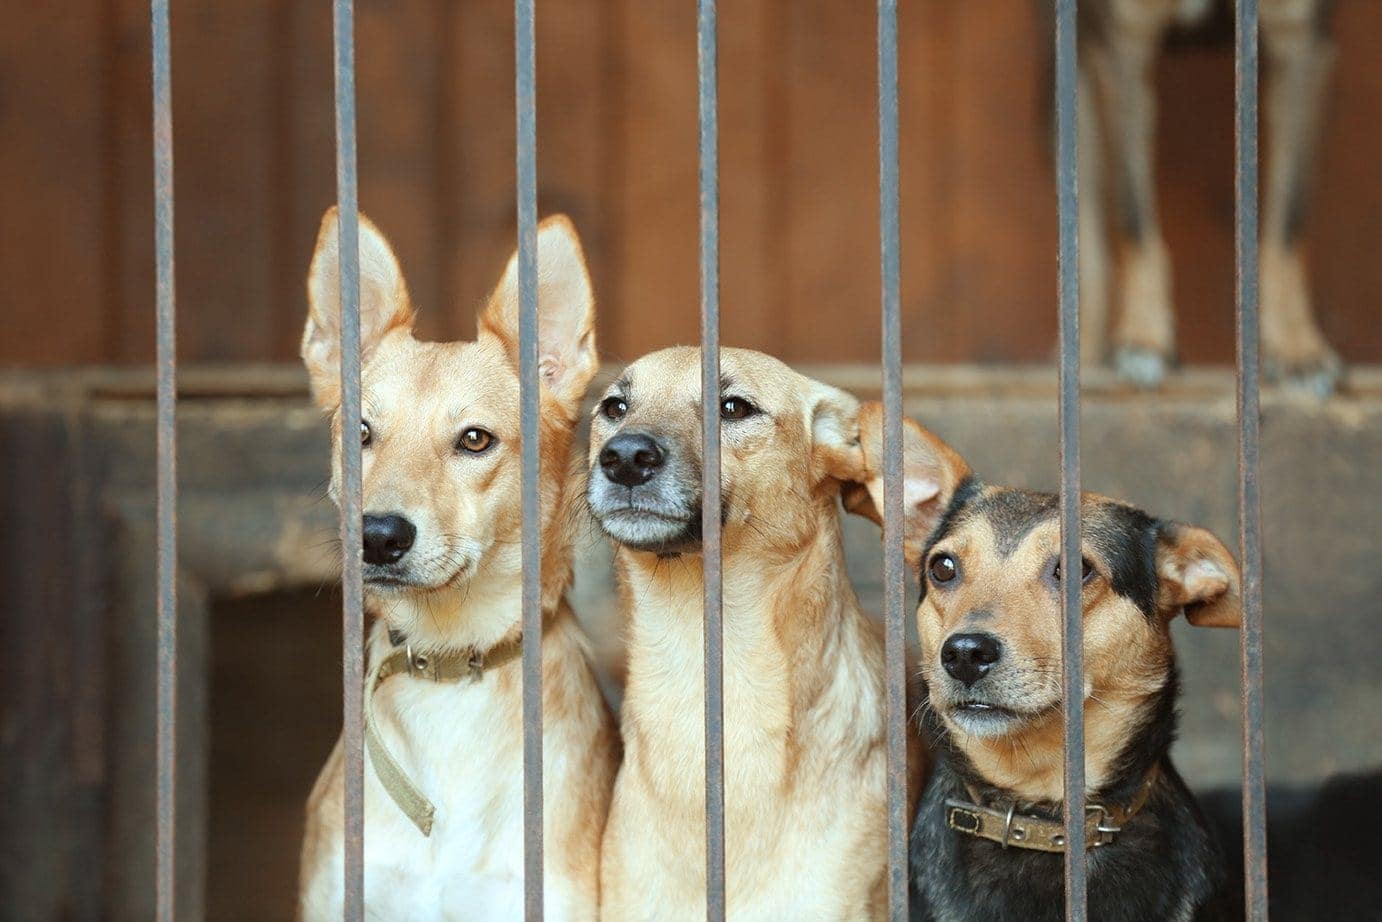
(275, 714)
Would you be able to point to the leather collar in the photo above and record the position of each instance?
(444, 666)
(448, 665)
(1007, 827)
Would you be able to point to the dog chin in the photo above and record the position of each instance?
(986, 721)
(386, 581)
(644, 530)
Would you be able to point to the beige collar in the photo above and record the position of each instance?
(1020, 830)
(446, 666)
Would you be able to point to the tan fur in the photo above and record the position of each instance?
(1006, 593)
(418, 397)
(803, 669)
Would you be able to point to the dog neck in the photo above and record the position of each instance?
(1128, 731)
(792, 631)
(786, 604)
(481, 614)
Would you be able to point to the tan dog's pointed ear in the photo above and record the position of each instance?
(1197, 575)
(931, 473)
(384, 304)
(565, 307)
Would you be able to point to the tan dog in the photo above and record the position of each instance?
(442, 576)
(988, 837)
(1120, 41)
(803, 666)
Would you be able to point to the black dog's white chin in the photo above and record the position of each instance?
(986, 720)
(654, 532)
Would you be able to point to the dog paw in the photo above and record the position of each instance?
(1140, 367)
(1318, 378)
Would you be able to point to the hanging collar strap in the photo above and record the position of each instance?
(1008, 827)
(447, 666)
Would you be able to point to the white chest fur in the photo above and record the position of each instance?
(460, 743)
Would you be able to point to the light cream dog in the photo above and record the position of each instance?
(805, 759)
(442, 577)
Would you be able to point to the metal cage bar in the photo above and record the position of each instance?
(1072, 634)
(894, 566)
(1249, 443)
(352, 591)
(525, 103)
(711, 571)
(1066, 89)
(165, 887)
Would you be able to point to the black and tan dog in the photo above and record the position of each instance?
(1119, 44)
(987, 839)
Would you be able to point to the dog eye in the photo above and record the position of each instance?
(474, 441)
(614, 408)
(364, 433)
(736, 408)
(1087, 571)
(943, 568)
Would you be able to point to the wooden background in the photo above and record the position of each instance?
(255, 169)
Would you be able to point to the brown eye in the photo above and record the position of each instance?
(736, 408)
(614, 408)
(943, 569)
(364, 433)
(1087, 570)
(474, 441)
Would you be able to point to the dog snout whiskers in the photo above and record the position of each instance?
(387, 538)
(969, 657)
(631, 459)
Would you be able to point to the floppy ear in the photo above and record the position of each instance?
(565, 308)
(384, 304)
(1199, 575)
(834, 420)
(931, 473)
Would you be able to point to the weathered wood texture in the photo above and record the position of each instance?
(252, 87)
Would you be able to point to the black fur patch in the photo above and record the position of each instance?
(1162, 863)
(1126, 540)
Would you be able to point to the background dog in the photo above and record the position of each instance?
(805, 760)
(987, 839)
(442, 577)
(1119, 44)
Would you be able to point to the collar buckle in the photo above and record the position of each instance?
(420, 665)
(1104, 826)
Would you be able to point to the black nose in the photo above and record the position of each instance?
(968, 657)
(387, 538)
(631, 458)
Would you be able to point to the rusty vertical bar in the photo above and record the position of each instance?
(894, 567)
(352, 603)
(167, 487)
(1072, 635)
(1249, 439)
(525, 79)
(707, 95)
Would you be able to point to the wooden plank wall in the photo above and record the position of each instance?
(617, 151)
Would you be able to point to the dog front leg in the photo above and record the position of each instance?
(1299, 55)
(1093, 231)
(1121, 64)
